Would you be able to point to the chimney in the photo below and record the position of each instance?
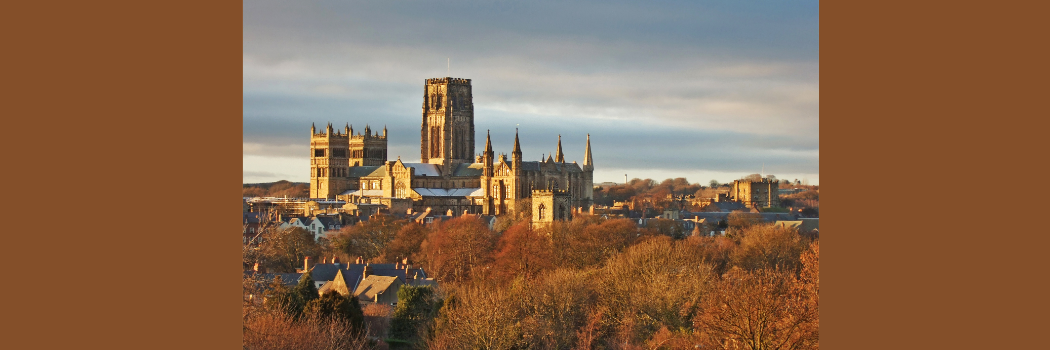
(306, 264)
(450, 212)
(360, 260)
(367, 271)
(409, 212)
(324, 260)
(335, 259)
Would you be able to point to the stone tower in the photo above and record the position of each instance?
(447, 131)
(368, 149)
(550, 205)
(329, 166)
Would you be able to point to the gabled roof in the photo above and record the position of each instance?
(366, 193)
(451, 192)
(263, 280)
(469, 169)
(530, 166)
(424, 169)
(328, 221)
(373, 285)
(364, 171)
(558, 166)
(338, 284)
(252, 218)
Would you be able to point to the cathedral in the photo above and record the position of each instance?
(449, 176)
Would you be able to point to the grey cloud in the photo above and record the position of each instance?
(673, 84)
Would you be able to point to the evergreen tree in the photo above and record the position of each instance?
(306, 290)
(415, 308)
(282, 299)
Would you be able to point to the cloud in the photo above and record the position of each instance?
(668, 85)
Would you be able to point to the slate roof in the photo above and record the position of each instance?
(264, 279)
(371, 170)
(727, 206)
(339, 284)
(328, 221)
(252, 218)
(374, 284)
(452, 192)
(558, 166)
(774, 217)
(352, 272)
(366, 193)
(424, 169)
(469, 169)
(530, 166)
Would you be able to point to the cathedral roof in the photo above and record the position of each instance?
(424, 169)
(469, 169)
(538, 166)
(365, 171)
(452, 192)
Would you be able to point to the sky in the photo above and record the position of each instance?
(706, 90)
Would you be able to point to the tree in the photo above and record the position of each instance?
(416, 307)
(406, 243)
(761, 309)
(333, 306)
(714, 183)
(283, 300)
(284, 250)
(456, 250)
(520, 252)
(769, 247)
(306, 289)
(368, 239)
(740, 220)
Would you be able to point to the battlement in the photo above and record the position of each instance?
(375, 136)
(556, 192)
(334, 135)
(448, 80)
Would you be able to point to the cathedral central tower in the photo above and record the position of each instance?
(447, 131)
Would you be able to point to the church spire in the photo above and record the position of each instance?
(588, 162)
(313, 128)
(517, 147)
(488, 143)
(560, 157)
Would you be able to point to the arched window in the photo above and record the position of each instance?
(543, 211)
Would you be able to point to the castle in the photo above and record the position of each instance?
(449, 177)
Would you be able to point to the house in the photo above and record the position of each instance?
(294, 222)
(379, 289)
(803, 225)
(345, 278)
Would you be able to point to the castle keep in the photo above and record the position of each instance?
(449, 176)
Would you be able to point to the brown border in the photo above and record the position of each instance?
(920, 250)
(142, 101)
(119, 240)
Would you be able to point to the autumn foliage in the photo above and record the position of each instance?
(596, 284)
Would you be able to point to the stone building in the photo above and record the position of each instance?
(549, 206)
(760, 194)
(448, 176)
